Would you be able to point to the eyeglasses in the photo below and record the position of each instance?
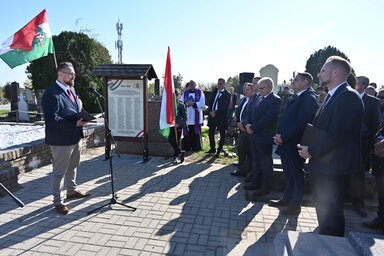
(262, 88)
(69, 73)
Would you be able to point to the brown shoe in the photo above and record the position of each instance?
(76, 195)
(62, 209)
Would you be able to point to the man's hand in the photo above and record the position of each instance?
(241, 126)
(80, 122)
(278, 140)
(189, 103)
(303, 151)
(212, 113)
(249, 129)
(379, 148)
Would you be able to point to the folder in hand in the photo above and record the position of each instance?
(85, 115)
(313, 134)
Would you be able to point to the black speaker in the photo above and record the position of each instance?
(245, 77)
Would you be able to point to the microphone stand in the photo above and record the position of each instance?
(17, 200)
(109, 157)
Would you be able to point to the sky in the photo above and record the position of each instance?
(210, 39)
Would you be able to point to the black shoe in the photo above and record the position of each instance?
(221, 150)
(360, 211)
(237, 173)
(376, 223)
(211, 151)
(181, 156)
(280, 202)
(291, 210)
(261, 192)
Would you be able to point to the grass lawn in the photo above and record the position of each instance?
(4, 112)
(205, 158)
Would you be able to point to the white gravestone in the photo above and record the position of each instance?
(23, 114)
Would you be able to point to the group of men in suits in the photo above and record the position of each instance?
(348, 119)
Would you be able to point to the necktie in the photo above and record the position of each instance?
(259, 101)
(71, 96)
(325, 102)
(214, 107)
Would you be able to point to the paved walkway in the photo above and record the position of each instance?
(188, 209)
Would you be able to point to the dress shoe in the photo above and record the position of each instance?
(261, 192)
(222, 151)
(251, 186)
(376, 223)
(237, 173)
(291, 210)
(360, 211)
(76, 195)
(62, 209)
(181, 156)
(280, 202)
(211, 151)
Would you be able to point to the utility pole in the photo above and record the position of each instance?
(119, 42)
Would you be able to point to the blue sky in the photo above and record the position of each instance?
(212, 39)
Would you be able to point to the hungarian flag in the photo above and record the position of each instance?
(31, 42)
(168, 100)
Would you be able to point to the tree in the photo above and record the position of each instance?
(318, 58)
(84, 53)
(177, 81)
(7, 91)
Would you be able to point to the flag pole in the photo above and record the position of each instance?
(54, 59)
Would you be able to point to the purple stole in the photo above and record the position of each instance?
(197, 115)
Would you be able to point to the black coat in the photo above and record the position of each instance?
(341, 119)
(220, 120)
(299, 111)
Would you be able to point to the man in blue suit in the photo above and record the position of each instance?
(301, 109)
(335, 155)
(63, 132)
(261, 125)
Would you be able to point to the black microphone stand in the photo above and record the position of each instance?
(109, 157)
(17, 200)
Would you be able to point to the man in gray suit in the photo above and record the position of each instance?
(335, 154)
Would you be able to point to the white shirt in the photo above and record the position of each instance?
(191, 111)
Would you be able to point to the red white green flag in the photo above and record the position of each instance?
(168, 100)
(31, 42)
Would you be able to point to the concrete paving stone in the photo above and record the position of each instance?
(140, 243)
(105, 251)
(130, 242)
(95, 238)
(142, 234)
(129, 252)
(104, 239)
(193, 239)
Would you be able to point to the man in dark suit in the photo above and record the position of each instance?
(63, 132)
(300, 110)
(261, 125)
(243, 150)
(217, 118)
(378, 168)
(335, 155)
(371, 123)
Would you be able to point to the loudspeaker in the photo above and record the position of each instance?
(245, 77)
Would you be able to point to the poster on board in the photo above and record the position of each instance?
(126, 107)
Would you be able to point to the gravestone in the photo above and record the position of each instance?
(22, 106)
(272, 72)
(14, 100)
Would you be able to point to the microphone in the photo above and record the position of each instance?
(93, 90)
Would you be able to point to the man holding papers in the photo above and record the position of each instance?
(340, 117)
